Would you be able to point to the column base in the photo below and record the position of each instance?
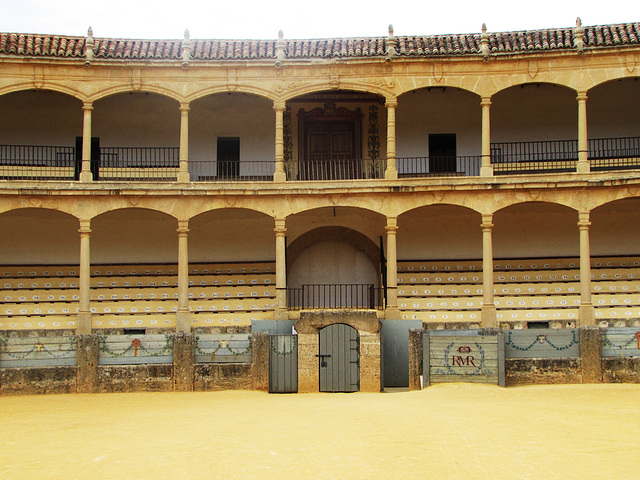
(486, 171)
(183, 177)
(392, 313)
(86, 176)
(279, 177)
(489, 317)
(83, 323)
(391, 174)
(586, 315)
(583, 166)
(183, 321)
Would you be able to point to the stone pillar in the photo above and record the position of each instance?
(83, 326)
(87, 376)
(486, 170)
(85, 172)
(183, 173)
(183, 362)
(415, 358)
(281, 312)
(391, 308)
(591, 355)
(279, 174)
(308, 362)
(370, 362)
(260, 361)
(583, 144)
(586, 306)
(391, 172)
(183, 317)
(488, 305)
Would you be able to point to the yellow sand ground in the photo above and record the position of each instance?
(450, 431)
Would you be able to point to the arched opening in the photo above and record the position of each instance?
(334, 135)
(615, 228)
(38, 131)
(534, 128)
(231, 138)
(439, 133)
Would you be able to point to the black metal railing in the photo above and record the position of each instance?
(353, 296)
(534, 157)
(231, 171)
(614, 153)
(139, 163)
(346, 169)
(459, 166)
(37, 162)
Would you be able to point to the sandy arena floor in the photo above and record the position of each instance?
(447, 431)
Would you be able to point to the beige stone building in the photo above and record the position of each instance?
(488, 179)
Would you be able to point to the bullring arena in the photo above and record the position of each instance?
(446, 215)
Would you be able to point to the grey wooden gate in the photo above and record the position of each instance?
(339, 359)
(283, 363)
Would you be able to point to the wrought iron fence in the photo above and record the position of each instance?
(346, 169)
(614, 153)
(534, 157)
(418, 167)
(37, 162)
(138, 163)
(351, 295)
(231, 171)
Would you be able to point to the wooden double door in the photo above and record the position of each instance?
(331, 150)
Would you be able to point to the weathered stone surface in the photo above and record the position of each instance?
(223, 376)
(135, 378)
(591, 354)
(308, 362)
(621, 370)
(370, 362)
(88, 351)
(37, 380)
(362, 320)
(260, 361)
(415, 358)
(183, 362)
(529, 371)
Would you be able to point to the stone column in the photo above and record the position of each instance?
(488, 305)
(260, 361)
(391, 308)
(486, 170)
(281, 312)
(391, 172)
(84, 283)
(279, 174)
(85, 172)
(415, 358)
(183, 362)
(183, 173)
(583, 144)
(591, 355)
(183, 317)
(586, 306)
(87, 373)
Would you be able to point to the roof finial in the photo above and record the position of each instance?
(391, 44)
(484, 42)
(280, 56)
(187, 48)
(578, 36)
(89, 44)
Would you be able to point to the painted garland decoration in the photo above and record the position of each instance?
(222, 345)
(136, 346)
(40, 346)
(541, 340)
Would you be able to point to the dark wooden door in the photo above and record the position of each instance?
(339, 359)
(330, 151)
(442, 152)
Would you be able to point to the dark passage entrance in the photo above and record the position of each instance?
(442, 152)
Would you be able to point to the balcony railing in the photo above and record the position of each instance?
(138, 163)
(614, 153)
(344, 169)
(417, 167)
(352, 296)
(231, 171)
(37, 162)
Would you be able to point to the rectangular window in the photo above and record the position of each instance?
(228, 156)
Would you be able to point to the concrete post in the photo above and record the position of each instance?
(391, 172)
(586, 306)
(415, 358)
(591, 355)
(260, 361)
(183, 173)
(87, 376)
(281, 312)
(183, 317)
(391, 308)
(486, 170)
(488, 305)
(85, 172)
(279, 174)
(83, 326)
(583, 144)
(183, 362)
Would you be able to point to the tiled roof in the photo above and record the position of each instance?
(16, 44)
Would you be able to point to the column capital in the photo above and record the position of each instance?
(582, 96)
(279, 105)
(183, 226)
(184, 106)
(87, 105)
(280, 227)
(391, 102)
(85, 226)
(392, 224)
(584, 220)
(485, 101)
(487, 221)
